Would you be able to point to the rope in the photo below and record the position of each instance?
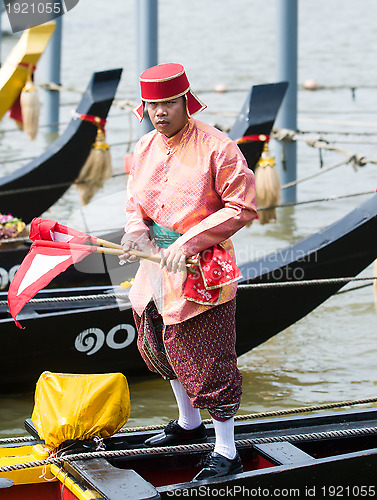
(317, 200)
(57, 87)
(322, 281)
(332, 112)
(162, 450)
(288, 135)
(250, 416)
(348, 141)
(355, 160)
(340, 87)
(337, 132)
(23, 239)
(100, 296)
(267, 414)
(283, 205)
(30, 158)
(24, 439)
(347, 123)
(309, 436)
(49, 186)
(107, 296)
(353, 288)
(61, 123)
(352, 88)
(285, 135)
(312, 176)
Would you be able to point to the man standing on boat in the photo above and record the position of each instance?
(189, 191)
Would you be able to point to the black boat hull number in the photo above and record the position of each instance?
(92, 340)
(7, 276)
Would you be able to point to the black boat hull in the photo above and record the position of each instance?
(99, 338)
(320, 455)
(32, 189)
(85, 336)
(342, 250)
(256, 119)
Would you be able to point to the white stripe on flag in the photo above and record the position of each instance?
(40, 265)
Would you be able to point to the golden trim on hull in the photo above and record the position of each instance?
(25, 54)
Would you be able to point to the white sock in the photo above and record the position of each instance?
(224, 433)
(189, 417)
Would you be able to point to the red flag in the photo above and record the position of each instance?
(215, 269)
(45, 260)
(49, 230)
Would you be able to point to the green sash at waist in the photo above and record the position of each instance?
(162, 236)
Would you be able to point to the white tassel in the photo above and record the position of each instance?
(30, 109)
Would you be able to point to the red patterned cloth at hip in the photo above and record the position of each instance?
(200, 352)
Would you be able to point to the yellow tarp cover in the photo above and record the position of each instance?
(70, 406)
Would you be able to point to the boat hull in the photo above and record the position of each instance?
(97, 334)
(320, 456)
(256, 119)
(96, 339)
(32, 189)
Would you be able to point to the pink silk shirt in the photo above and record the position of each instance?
(196, 183)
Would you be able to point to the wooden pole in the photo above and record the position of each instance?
(108, 244)
(115, 249)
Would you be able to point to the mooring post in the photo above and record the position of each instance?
(147, 44)
(51, 64)
(287, 30)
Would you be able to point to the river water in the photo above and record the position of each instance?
(329, 355)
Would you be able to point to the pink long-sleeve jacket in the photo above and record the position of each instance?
(196, 183)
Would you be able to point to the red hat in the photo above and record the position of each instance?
(164, 82)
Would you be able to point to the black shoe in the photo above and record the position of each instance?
(217, 465)
(175, 434)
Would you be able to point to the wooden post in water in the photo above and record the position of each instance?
(147, 44)
(51, 72)
(287, 29)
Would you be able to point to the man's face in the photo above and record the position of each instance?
(168, 117)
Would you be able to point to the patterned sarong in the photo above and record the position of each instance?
(200, 352)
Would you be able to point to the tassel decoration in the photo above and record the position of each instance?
(97, 168)
(30, 106)
(267, 185)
